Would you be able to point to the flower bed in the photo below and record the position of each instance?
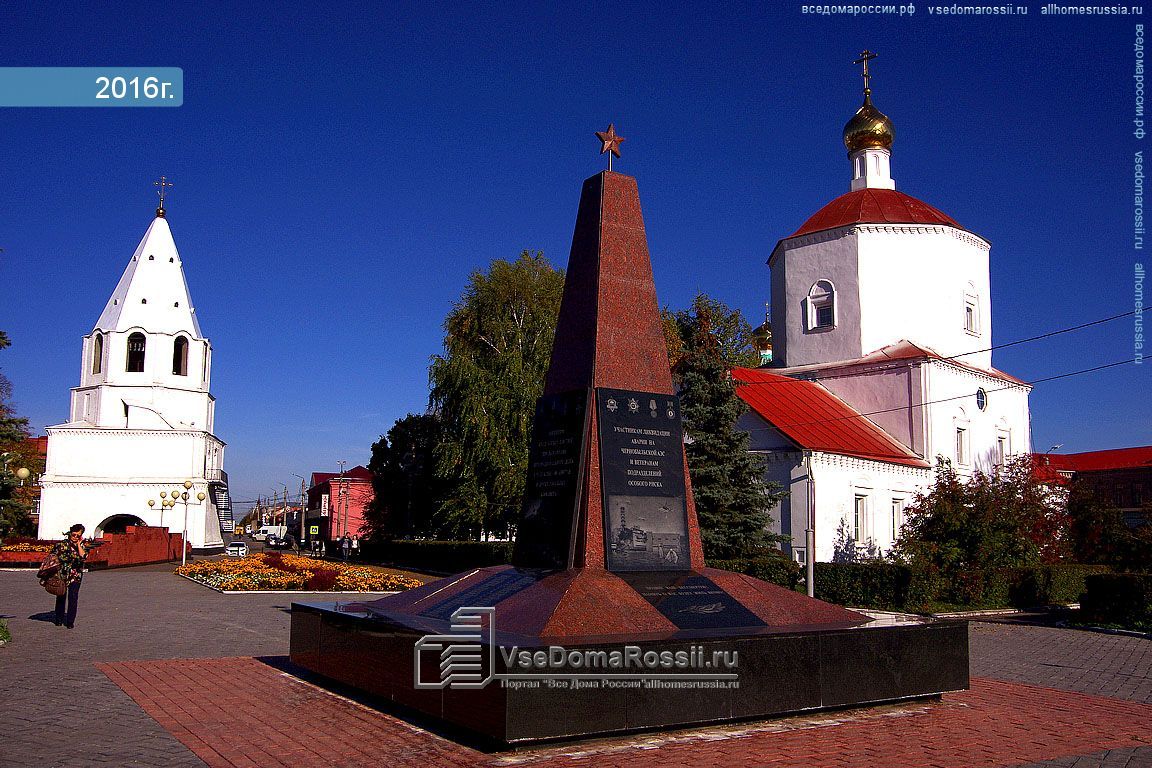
(275, 571)
(27, 545)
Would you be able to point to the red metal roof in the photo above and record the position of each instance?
(1115, 458)
(874, 206)
(813, 418)
(357, 473)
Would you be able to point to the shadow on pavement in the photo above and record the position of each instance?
(48, 616)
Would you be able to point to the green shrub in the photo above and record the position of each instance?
(1118, 598)
(5, 634)
(772, 568)
(864, 585)
(445, 556)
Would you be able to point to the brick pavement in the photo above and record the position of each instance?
(154, 619)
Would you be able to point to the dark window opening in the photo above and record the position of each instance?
(180, 356)
(136, 344)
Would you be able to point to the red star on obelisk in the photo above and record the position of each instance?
(610, 142)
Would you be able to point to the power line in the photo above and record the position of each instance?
(897, 363)
(776, 428)
(1044, 335)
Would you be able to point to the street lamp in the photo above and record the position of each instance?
(184, 538)
(303, 504)
(22, 473)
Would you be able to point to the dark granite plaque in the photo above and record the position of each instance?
(642, 477)
(545, 536)
(692, 601)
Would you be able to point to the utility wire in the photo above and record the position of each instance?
(897, 363)
(778, 428)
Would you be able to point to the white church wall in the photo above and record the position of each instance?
(798, 266)
(953, 406)
(839, 480)
(914, 281)
(92, 504)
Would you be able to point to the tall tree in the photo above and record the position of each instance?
(497, 344)
(14, 506)
(732, 498)
(967, 528)
(406, 490)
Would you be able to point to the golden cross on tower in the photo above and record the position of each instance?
(163, 184)
(865, 57)
(610, 142)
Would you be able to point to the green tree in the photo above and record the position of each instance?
(497, 345)
(730, 332)
(732, 498)
(966, 529)
(406, 490)
(15, 505)
(1098, 533)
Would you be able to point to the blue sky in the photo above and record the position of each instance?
(340, 170)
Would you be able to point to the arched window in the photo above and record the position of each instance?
(136, 343)
(971, 310)
(180, 356)
(98, 353)
(820, 307)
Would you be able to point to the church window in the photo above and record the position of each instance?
(180, 356)
(98, 353)
(136, 344)
(176, 304)
(897, 517)
(151, 258)
(961, 446)
(971, 310)
(859, 512)
(143, 301)
(981, 399)
(820, 307)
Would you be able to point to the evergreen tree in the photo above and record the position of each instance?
(497, 345)
(732, 497)
(405, 488)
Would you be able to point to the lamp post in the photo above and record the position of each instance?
(343, 501)
(303, 504)
(184, 538)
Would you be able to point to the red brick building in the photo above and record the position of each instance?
(336, 503)
(1121, 477)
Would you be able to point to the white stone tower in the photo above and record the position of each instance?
(141, 422)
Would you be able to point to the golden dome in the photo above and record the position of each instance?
(869, 128)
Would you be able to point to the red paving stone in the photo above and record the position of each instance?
(206, 703)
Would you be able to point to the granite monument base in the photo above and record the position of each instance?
(728, 675)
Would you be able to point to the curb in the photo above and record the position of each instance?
(1105, 630)
(1004, 611)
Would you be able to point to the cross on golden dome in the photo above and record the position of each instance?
(163, 186)
(865, 57)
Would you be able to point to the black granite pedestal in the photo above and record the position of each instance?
(775, 672)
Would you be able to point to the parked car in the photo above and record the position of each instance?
(279, 542)
(237, 549)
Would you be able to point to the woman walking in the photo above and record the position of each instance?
(71, 554)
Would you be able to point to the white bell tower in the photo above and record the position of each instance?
(142, 419)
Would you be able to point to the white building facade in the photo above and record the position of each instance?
(884, 303)
(142, 421)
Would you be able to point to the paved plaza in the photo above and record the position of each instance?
(162, 672)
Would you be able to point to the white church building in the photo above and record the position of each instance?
(141, 423)
(881, 323)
